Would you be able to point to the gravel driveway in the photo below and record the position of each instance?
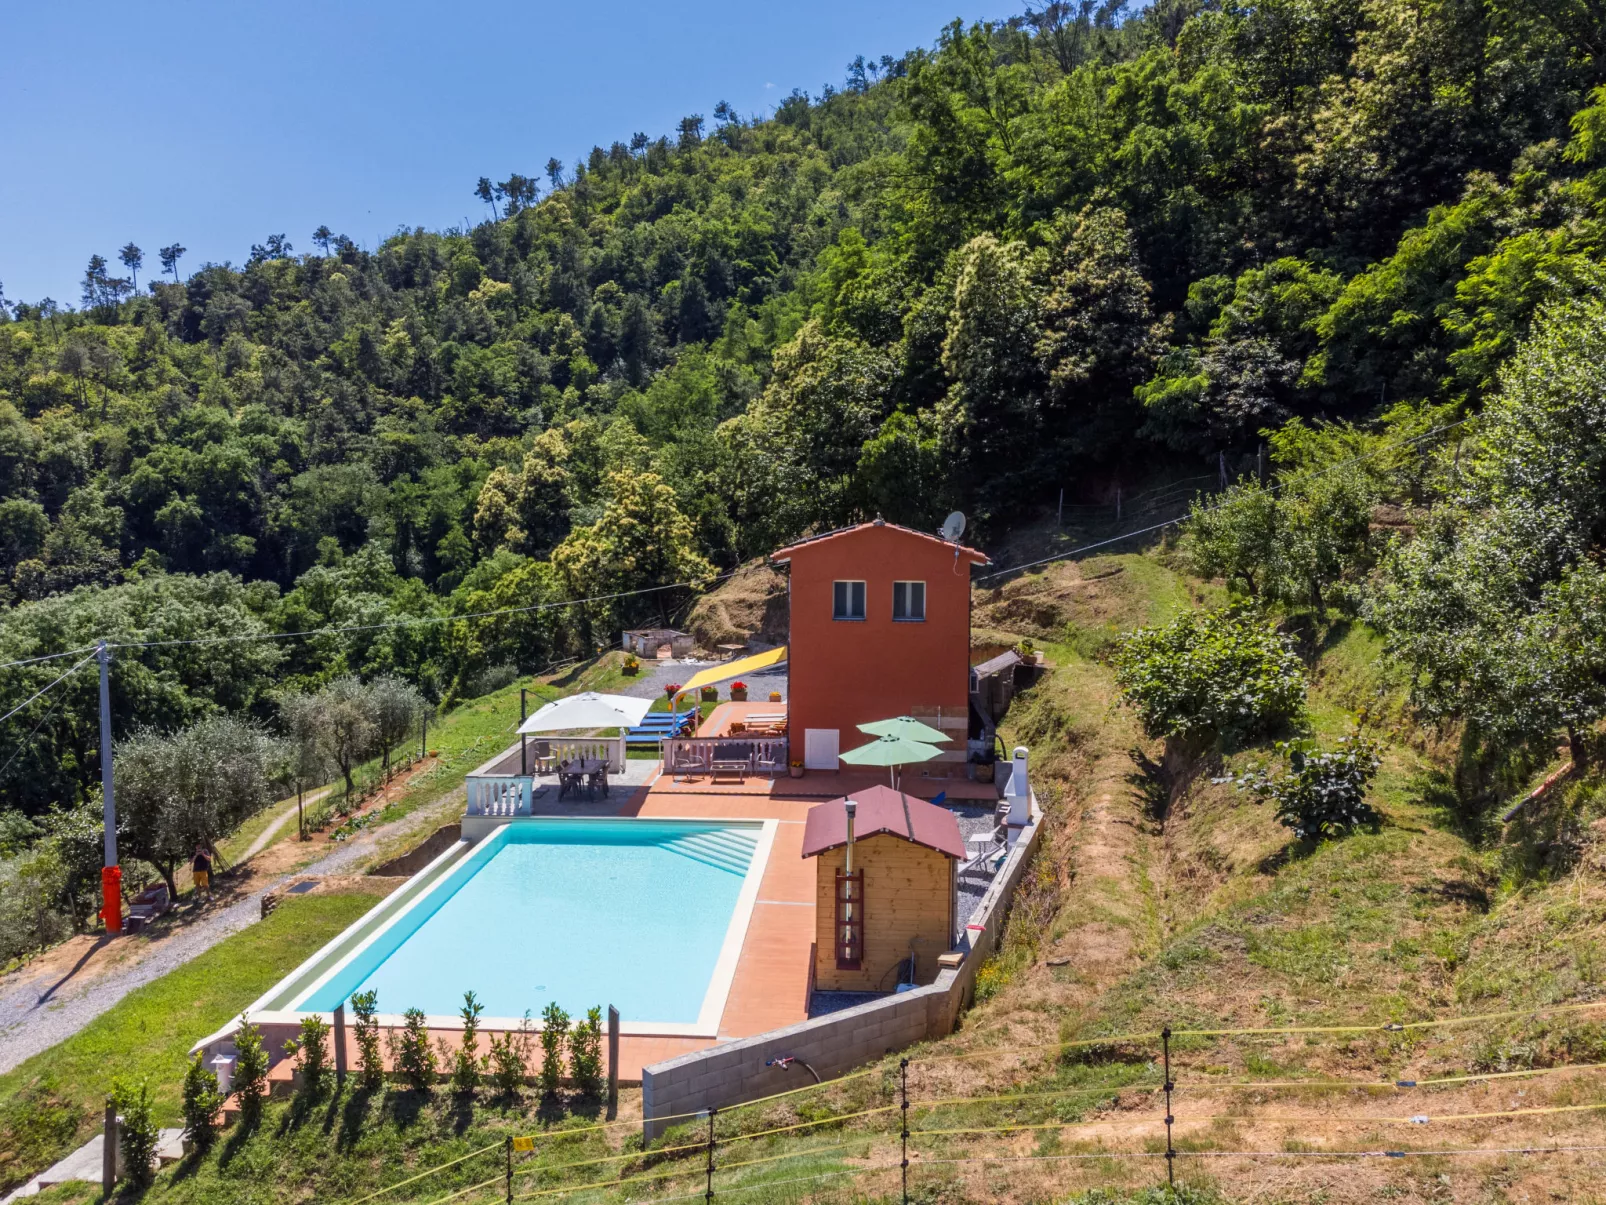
(34, 1016)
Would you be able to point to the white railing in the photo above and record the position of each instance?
(504, 795)
(514, 762)
(586, 748)
(695, 756)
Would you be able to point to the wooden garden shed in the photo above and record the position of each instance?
(885, 888)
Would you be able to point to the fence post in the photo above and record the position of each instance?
(903, 1076)
(509, 1153)
(709, 1196)
(108, 1153)
(613, 1062)
(1170, 1151)
(340, 1043)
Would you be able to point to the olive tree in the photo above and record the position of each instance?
(307, 740)
(397, 708)
(345, 709)
(192, 787)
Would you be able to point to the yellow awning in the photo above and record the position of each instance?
(733, 669)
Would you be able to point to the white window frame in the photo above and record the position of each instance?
(920, 618)
(864, 596)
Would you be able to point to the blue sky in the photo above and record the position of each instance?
(215, 125)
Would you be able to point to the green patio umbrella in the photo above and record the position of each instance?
(907, 727)
(891, 751)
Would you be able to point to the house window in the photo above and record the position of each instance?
(909, 601)
(847, 600)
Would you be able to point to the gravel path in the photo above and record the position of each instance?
(34, 1016)
(267, 835)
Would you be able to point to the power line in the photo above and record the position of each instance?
(47, 657)
(1270, 489)
(422, 620)
(52, 686)
(28, 740)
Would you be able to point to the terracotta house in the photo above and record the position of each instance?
(879, 627)
(898, 899)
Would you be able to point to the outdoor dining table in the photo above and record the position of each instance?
(573, 777)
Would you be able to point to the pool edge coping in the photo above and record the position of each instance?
(418, 888)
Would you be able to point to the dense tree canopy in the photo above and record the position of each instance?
(1030, 255)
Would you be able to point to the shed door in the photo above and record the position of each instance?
(820, 748)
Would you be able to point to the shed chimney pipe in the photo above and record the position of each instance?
(848, 857)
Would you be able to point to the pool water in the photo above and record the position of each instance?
(582, 913)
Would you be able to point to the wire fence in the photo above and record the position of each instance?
(711, 1151)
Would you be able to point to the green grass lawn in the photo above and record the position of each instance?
(233, 847)
(53, 1101)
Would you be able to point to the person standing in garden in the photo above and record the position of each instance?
(201, 871)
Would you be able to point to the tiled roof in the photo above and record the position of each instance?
(785, 554)
(882, 810)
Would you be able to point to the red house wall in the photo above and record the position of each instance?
(842, 673)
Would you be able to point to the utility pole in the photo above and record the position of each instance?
(111, 875)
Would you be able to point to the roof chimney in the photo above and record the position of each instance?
(852, 808)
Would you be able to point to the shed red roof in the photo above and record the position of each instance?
(882, 810)
(784, 555)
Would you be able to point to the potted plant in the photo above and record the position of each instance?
(670, 692)
(710, 694)
(795, 769)
(738, 692)
(632, 664)
(775, 696)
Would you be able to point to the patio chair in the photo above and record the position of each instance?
(545, 760)
(771, 761)
(597, 781)
(689, 762)
(571, 779)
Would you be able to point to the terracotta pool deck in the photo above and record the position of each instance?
(775, 969)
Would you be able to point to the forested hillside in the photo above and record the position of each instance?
(1056, 252)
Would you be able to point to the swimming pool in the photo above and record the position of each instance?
(646, 915)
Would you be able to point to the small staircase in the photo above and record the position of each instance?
(730, 849)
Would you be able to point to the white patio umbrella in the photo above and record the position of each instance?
(588, 710)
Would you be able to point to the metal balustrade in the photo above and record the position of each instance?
(697, 756)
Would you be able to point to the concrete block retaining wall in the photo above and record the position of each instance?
(733, 1072)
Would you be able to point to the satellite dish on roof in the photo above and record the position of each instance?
(953, 527)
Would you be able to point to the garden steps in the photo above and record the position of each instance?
(85, 1164)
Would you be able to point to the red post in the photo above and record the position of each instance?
(111, 895)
